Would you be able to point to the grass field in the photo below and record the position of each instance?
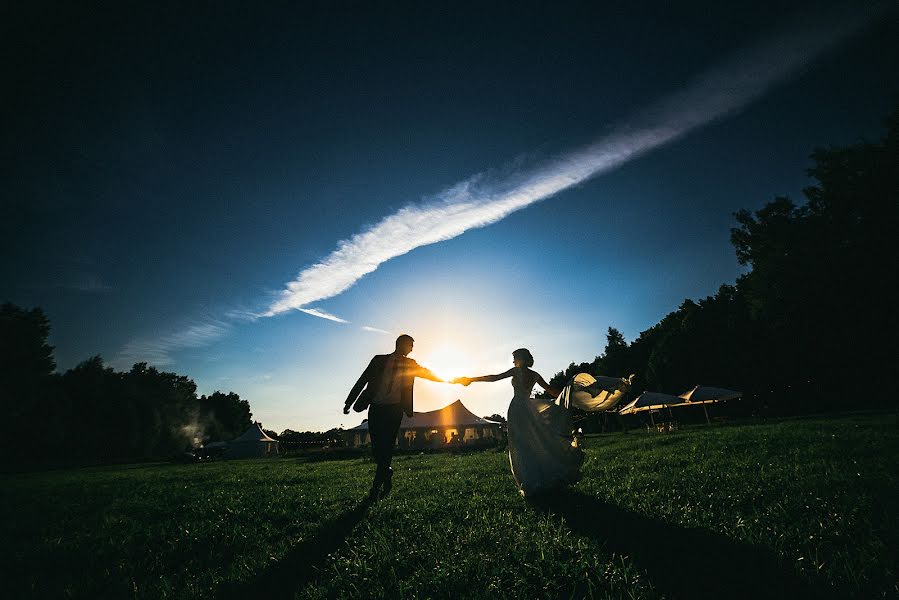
(794, 508)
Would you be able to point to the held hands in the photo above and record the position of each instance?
(462, 380)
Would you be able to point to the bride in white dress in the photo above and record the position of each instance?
(543, 451)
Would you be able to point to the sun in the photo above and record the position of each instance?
(447, 361)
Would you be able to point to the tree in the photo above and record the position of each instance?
(227, 415)
(26, 360)
(92, 413)
(820, 271)
(615, 359)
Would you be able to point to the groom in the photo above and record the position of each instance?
(388, 380)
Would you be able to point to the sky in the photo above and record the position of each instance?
(262, 199)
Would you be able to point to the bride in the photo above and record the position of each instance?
(543, 451)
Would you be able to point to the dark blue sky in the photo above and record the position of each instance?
(171, 167)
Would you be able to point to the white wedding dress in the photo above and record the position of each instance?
(543, 451)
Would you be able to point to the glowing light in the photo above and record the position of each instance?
(447, 361)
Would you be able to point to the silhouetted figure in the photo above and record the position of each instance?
(388, 382)
(543, 453)
(540, 444)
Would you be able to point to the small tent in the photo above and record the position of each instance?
(253, 443)
(651, 401)
(703, 394)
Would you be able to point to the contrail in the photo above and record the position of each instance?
(482, 200)
(321, 314)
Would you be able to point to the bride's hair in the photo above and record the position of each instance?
(524, 355)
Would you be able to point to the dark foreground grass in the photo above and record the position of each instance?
(789, 509)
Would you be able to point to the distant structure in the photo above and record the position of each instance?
(452, 424)
(253, 443)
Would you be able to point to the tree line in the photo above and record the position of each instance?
(94, 414)
(812, 325)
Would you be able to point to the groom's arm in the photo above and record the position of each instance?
(357, 389)
(424, 373)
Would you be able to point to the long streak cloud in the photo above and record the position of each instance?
(483, 200)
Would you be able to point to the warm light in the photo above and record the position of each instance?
(447, 362)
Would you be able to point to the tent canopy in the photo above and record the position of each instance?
(703, 394)
(253, 434)
(451, 415)
(651, 401)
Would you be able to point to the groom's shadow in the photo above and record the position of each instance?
(302, 562)
(681, 562)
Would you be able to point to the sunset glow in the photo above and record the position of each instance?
(447, 361)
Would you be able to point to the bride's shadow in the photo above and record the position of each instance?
(681, 562)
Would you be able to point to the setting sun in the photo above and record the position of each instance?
(447, 361)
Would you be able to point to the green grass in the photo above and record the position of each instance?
(800, 507)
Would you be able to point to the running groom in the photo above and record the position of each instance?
(388, 381)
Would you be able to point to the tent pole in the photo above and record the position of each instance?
(707, 420)
(651, 420)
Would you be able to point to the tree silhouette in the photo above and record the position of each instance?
(813, 319)
(92, 413)
(26, 360)
(226, 415)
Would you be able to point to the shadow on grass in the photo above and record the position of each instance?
(333, 454)
(290, 574)
(327, 455)
(680, 562)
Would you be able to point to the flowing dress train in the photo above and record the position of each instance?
(543, 451)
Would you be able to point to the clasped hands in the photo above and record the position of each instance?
(461, 380)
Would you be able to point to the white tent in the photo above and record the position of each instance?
(453, 422)
(703, 394)
(253, 443)
(651, 401)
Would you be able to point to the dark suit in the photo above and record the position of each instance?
(384, 419)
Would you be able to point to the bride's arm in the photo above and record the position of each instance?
(467, 380)
(546, 387)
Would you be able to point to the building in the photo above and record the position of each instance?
(452, 424)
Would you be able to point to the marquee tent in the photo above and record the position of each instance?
(253, 443)
(453, 423)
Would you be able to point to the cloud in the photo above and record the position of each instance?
(241, 315)
(485, 199)
(374, 329)
(158, 350)
(91, 284)
(489, 197)
(85, 283)
(317, 312)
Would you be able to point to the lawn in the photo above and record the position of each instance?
(792, 508)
